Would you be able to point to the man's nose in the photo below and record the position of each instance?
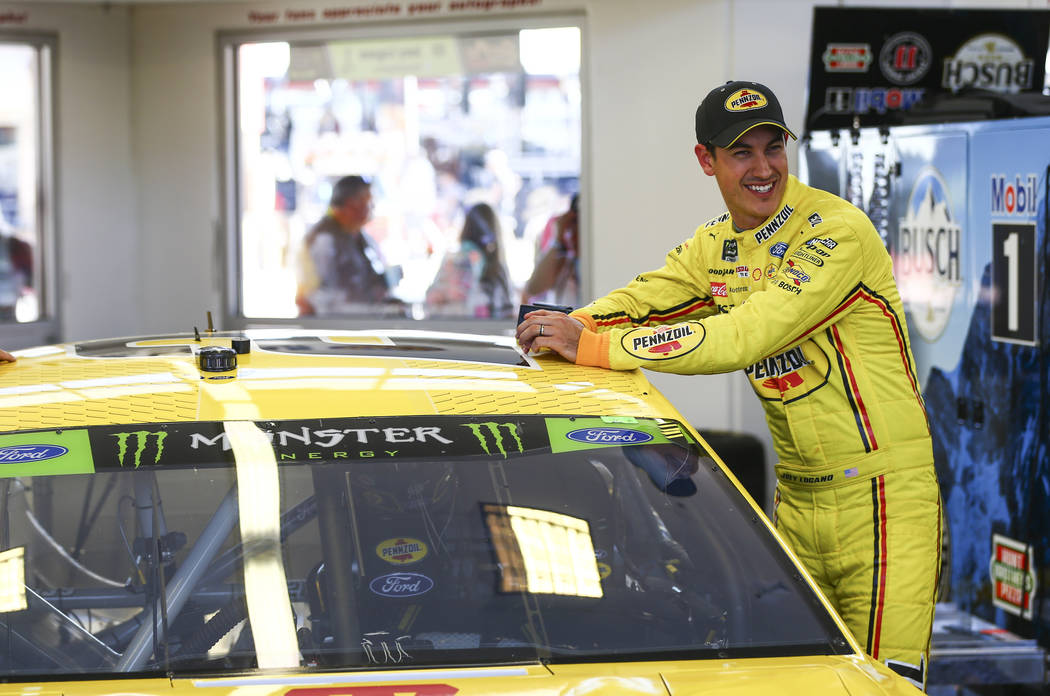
(762, 166)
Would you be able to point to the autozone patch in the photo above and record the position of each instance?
(663, 342)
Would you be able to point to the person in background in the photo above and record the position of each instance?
(472, 280)
(6, 357)
(340, 267)
(555, 278)
(794, 286)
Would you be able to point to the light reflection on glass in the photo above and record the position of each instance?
(13, 580)
(543, 552)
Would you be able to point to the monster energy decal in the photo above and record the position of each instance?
(141, 440)
(337, 440)
(494, 430)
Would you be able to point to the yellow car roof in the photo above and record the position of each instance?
(306, 374)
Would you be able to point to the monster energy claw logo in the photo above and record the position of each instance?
(483, 430)
(141, 439)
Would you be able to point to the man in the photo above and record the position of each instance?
(555, 277)
(340, 266)
(794, 286)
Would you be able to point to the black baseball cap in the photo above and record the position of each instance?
(729, 111)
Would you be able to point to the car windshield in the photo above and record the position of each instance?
(364, 543)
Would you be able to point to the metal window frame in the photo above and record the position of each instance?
(228, 240)
(47, 328)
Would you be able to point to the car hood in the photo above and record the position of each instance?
(852, 675)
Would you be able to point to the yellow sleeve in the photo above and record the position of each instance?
(802, 298)
(678, 291)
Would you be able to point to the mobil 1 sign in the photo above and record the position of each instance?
(1014, 275)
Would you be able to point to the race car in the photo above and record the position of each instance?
(306, 513)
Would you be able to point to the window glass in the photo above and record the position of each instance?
(467, 149)
(20, 176)
(367, 542)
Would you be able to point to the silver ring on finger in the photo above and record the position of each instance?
(541, 329)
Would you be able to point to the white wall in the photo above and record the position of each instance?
(139, 139)
(98, 235)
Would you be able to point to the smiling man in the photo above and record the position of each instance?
(794, 286)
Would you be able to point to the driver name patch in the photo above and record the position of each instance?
(663, 342)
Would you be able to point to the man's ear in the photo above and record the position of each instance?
(705, 158)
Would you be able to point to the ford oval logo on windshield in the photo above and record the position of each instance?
(30, 453)
(401, 585)
(609, 436)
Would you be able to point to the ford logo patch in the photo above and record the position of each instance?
(401, 585)
(30, 453)
(609, 436)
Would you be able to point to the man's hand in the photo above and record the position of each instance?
(556, 331)
(6, 357)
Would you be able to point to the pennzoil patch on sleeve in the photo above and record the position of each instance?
(663, 342)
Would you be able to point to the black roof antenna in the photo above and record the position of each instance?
(211, 327)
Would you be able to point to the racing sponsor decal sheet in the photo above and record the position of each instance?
(207, 444)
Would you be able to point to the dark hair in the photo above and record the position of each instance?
(481, 227)
(347, 187)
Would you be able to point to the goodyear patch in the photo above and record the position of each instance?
(745, 99)
(663, 342)
(402, 550)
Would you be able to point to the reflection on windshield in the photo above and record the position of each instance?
(354, 543)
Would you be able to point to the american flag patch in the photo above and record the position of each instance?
(851, 472)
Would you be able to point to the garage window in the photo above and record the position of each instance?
(438, 124)
(25, 189)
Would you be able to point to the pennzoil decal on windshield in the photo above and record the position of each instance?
(402, 550)
(45, 453)
(663, 342)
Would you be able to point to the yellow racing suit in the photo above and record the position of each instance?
(806, 304)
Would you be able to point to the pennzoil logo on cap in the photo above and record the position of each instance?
(745, 99)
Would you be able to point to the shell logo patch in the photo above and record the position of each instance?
(744, 100)
(663, 342)
(402, 550)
